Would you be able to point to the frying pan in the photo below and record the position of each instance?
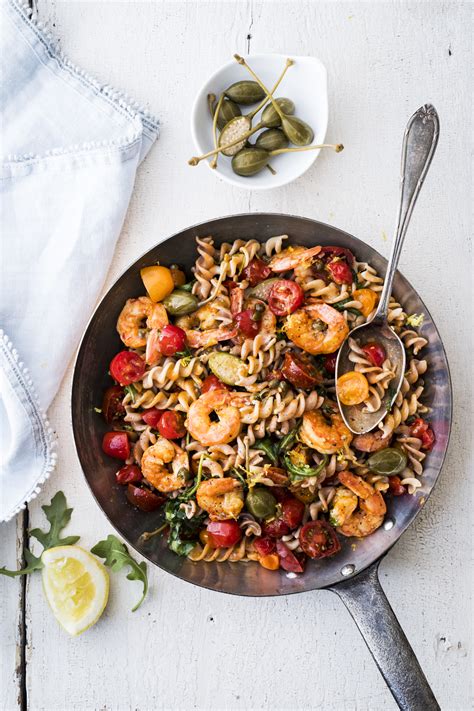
(352, 574)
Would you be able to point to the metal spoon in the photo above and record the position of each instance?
(419, 144)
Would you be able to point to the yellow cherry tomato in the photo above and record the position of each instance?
(352, 388)
(158, 282)
(270, 561)
(367, 298)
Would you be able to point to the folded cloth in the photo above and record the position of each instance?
(73, 147)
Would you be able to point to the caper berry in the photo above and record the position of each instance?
(389, 461)
(272, 140)
(250, 161)
(297, 131)
(260, 503)
(245, 92)
(227, 112)
(232, 131)
(270, 116)
(180, 303)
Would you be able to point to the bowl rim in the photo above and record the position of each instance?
(75, 385)
(199, 96)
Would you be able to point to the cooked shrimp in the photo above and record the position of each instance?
(326, 433)
(371, 441)
(221, 498)
(136, 317)
(203, 429)
(205, 317)
(165, 465)
(206, 339)
(316, 328)
(343, 505)
(372, 508)
(202, 326)
(293, 258)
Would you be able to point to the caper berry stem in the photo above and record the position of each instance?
(269, 96)
(213, 163)
(197, 159)
(338, 147)
(242, 61)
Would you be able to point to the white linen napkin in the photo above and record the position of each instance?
(73, 147)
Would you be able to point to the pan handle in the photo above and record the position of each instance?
(366, 601)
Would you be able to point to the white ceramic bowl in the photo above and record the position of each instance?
(305, 83)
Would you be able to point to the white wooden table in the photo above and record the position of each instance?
(188, 648)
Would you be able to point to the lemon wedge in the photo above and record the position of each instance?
(76, 586)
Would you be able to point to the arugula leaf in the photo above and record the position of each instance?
(58, 516)
(189, 493)
(131, 391)
(340, 306)
(183, 531)
(390, 398)
(287, 441)
(267, 446)
(116, 556)
(188, 286)
(302, 471)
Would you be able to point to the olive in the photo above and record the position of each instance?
(270, 116)
(245, 92)
(227, 112)
(297, 131)
(238, 126)
(250, 161)
(272, 140)
(388, 462)
(180, 302)
(260, 503)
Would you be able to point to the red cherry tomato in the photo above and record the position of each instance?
(116, 444)
(330, 252)
(229, 284)
(171, 339)
(330, 363)
(280, 493)
(423, 431)
(144, 499)
(340, 271)
(375, 353)
(129, 474)
(112, 408)
(212, 382)
(152, 417)
(171, 425)
(127, 367)
(276, 528)
(285, 297)
(299, 371)
(224, 534)
(292, 512)
(264, 546)
(395, 486)
(246, 323)
(318, 540)
(288, 559)
(256, 271)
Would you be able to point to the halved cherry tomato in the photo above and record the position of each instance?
(299, 371)
(330, 363)
(116, 444)
(171, 339)
(112, 408)
(171, 425)
(129, 474)
(279, 492)
(270, 562)
(395, 486)
(127, 367)
(329, 252)
(352, 388)
(246, 323)
(144, 499)
(152, 417)
(288, 559)
(264, 546)
(256, 271)
(423, 431)
(285, 297)
(292, 512)
(318, 540)
(212, 382)
(276, 528)
(224, 534)
(367, 298)
(158, 281)
(375, 353)
(340, 271)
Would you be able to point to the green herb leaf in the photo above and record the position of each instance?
(189, 493)
(287, 441)
(183, 531)
(188, 286)
(390, 398)
(116, 556)
(302, 471)
(340, 306)
(58, 516)
(267, 446)
(131, 391)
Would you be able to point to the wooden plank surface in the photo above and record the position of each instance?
(189, 648)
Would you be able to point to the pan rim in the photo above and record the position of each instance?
(75, 386)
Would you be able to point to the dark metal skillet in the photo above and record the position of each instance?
(352, 574)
